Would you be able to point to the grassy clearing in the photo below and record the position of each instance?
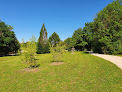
(80, 72)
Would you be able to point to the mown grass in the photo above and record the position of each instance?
(119, 55)
(80, 72)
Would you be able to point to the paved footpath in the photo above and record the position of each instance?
(117, 60)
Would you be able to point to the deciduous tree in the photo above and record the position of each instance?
(8, 41)
(28, 53)
(57, 51)
(54, 39)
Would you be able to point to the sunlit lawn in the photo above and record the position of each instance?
(80, 72)
(119, 55)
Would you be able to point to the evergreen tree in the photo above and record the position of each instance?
(43, 35)
(46, 48)
(39, 48)
(42, 45)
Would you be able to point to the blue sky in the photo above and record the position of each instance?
(60, 16)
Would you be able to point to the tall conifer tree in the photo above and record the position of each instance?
(42, 45)
(43, 35)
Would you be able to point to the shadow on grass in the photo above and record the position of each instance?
(57, 61)
(8, 55)
(86, 52)
(34, 66)
(36, 59)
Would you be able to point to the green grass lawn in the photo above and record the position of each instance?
(119, 55)
(80, 72)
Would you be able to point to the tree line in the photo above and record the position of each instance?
(43, 44)
(103, 35)
(9, 42)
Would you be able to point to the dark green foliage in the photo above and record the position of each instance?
(88, 35)
(68, 42)
(79, 39)
(39, 48)
(54, 39)
(107, 29)
(104, 35)
(43, 35)
(8, 41)
(42, 45)
(46, 48)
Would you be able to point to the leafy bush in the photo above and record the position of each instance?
(57, 51)
(28, 53)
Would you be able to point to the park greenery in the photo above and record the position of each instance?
(57, 51)
(103, 35)
(80, 71)
(28, 53)
(43, 44)
(8, 41)
(54, 39)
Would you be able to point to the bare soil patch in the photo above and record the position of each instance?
(57, 63)
(30, 70)
(73, 53)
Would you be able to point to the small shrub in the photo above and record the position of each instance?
(28, 53)
(57, 51)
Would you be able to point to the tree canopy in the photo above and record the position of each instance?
(107, 29)
(54, 39)
(104, 34)
(8, 41)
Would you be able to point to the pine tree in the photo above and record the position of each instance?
(42, 45)
(43, 35)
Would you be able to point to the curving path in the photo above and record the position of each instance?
(114, 59)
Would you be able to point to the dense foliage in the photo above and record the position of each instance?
(80, 40)
(107, 29)
(43, 45)
(54, 39)
(104, 34)
(68, 42)
(8, 41)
